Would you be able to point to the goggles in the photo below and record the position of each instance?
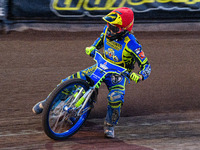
(114, 28)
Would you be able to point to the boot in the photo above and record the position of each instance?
(38, 108)
(109, 130)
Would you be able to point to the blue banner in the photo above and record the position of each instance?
(2, 9)
(94, 10)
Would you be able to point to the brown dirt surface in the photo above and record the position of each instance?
(33, 63)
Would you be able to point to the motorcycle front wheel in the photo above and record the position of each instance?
(61, 117)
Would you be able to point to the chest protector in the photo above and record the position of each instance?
(113, 50)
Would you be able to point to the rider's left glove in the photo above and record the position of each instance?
(135, 77)
(88, 50)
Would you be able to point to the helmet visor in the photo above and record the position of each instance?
(113, 18)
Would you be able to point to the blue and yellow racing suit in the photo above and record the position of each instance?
(124, 52)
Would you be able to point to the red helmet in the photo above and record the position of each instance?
(123, 18)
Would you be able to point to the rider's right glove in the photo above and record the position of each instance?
(88, 50)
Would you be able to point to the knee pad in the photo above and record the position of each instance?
(115, 99)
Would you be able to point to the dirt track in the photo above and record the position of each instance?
(33, 63)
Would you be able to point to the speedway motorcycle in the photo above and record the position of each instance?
(70, 103)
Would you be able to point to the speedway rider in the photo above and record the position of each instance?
(121, 48)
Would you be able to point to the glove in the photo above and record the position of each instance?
(88, 50)
(135, 77)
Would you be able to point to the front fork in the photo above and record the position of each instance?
(82, 101)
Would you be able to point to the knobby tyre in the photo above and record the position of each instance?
(60, 119)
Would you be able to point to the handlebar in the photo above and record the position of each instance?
(126, 74)
(108, 66)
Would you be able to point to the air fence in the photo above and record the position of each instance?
(13, 12)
